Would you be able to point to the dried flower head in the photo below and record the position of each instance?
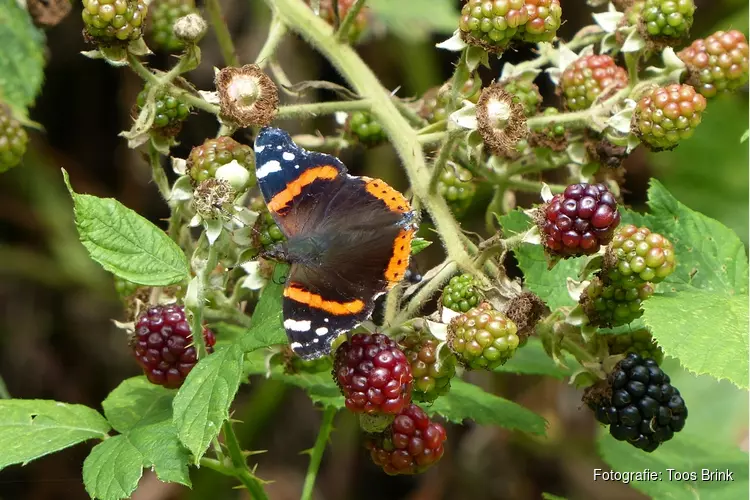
(247, 96)
(190, 28)
(501, 120)
(212, 196)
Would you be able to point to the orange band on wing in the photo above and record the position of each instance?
(294, 188)
(299, 294)
(400, 259)
(394, 200)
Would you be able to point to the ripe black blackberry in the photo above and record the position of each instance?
(163, 345)
(639, 403)
(579, 221)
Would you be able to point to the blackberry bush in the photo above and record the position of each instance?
(456, 185)
(638, 342)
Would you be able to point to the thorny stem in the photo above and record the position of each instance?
(343, 33)
(321, 108)
(201, 283)
(426, 139)
(226, 45)
(496, 245)
(316, 455)
(428, 290)
(241, 470)
(276, 33)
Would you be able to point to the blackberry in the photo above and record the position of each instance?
(162, 345)
(544, 19)
(639, 342)
(363, 127)
(205, 159)
(668, 115)
(266, 231)
(637, 255)
(164, 14)
(482, 338)
(585, 79)
(492, 24)
(611, 305)
(373, 374)
(639, 404)
(431, 370)
(461, 293)
(665, 18)
(717, 64)
(170, 111)
(525, 93)
(410, 445)
(125, 288)
(434, 104)
(579, 221)
(456, 185)
(114, 21)
(13, 139)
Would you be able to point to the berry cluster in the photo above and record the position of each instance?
(636, 255)
(639, 404)
(664, 18)
(579, 221)
(434, 104)
(637, 342)
(13, 140)
(483, 338)
(525, 93)
(432, 371)
(363, 127)
(170, 111)
(461, 293)
(114, 21)
(163, 345)
(164, 13)
(456, 185)
(717, 64)
(206, 159)
(668, 115)
(611, 305)
(585, 79)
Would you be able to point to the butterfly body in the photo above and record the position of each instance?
(348, 239)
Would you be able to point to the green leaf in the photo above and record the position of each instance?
(706, 331)
(125, 243)
(202, 403)
(550, 496)
(419, 244)
(32, 428)
(408, 21)
(684, 453)
(112, 469)
(266, 327)
(142, 412)
(549, 285)
(532, 359)
(469, 401)
(22, 56)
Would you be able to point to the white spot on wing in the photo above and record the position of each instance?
(279, 147)
(321, 331)
(268, 168)
(295, 345)
(296, 167)
(325, 319)
(297, 326)
(259, 149)
(288, 156)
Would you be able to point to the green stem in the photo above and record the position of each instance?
(581, 354)
(275, 35)
(296, 111)
(226, 45)
(317, 452)
(438, 126)
(631, 62)
(442, 160)
(157, 172)
(580, 40)
(343, 33)
(428, 290)
(426, 139)
(496, 245)
(533, 186)
(575, 119)
(203, 275)
(4, 394)
(241, 470)
(301, 19)
(409, 113)
(391, 305)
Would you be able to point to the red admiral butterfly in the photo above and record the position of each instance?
(348, 239)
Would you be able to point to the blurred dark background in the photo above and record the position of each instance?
(57, 340)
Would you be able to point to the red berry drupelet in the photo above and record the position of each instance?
(668, 115)
(586, 78)
(579, 221)
(163, 345)
(717, 64)
(410, 445)
(639, 404)
(373, 374)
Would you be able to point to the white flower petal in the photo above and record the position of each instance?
(546, 193)
(213, 229)
(454, 43)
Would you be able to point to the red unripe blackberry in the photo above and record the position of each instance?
(637, 255)
(586, 78)
(668, 115)
(483, 338)
(373, 374)
(544, 19)
(432, 369)
(718, 63)
(410, 445)
(162, 345)
(579, 221)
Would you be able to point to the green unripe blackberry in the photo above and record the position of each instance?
(492, 24)
(668, 115)
(555, 130)
(586, 78)
(717, 64)
(611, 305)
(114, 21)
(461, 293)
(639, 342)
(164, 13)
(666, 18)
(637, 255)
(125, 288)
(482, 338)
(456, 185)
(270, 234)
(363, 127)
(205, 159)
(170, 111)
(13, 140)
(544, 19)
(432, 370)
(525, 93)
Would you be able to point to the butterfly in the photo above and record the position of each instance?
(348, 239)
